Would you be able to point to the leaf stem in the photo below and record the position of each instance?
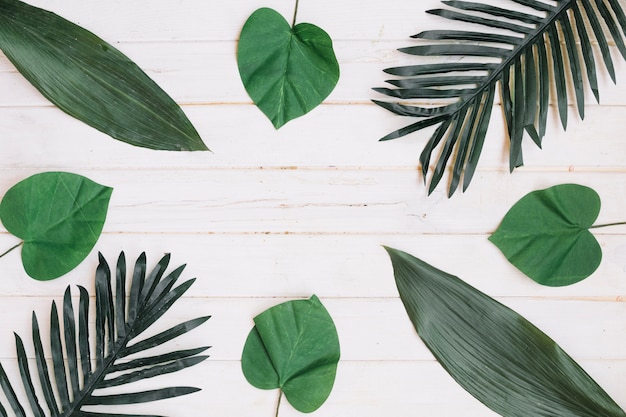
(280, 396)
(295, 13)
(14, 247)
(606, 225)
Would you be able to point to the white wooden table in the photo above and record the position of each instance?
(275, 215)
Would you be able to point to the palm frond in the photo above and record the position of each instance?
(75, 376)
(521, 50)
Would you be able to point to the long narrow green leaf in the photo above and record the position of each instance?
(83, 334)
(468, 36)
(588, 58)
(432, 144)
(463, 147)
(412, 128)
(491, 351)
(58, 363)
(559, 74)
(22, 362)
(538, 5)
(453, 49)
(525, 97)
(612, 26)
(412, 70)
(479, 139)
(136, 287)
(436, 81)
(448, 147)
(120, 296)
(140, 397)
(155, 360)
(152, 371)
(600, 37)
(544, 88)
(157, 310)
(518, 117)
(494, 11)
(531, 94)
(574, 64)
(92, 81)
(164, 336)
(110, 347)
(42, 370)
(462, 17)
(69, 327)
(10, 394)
(425, 93)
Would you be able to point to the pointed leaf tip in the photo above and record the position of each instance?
(495, 354)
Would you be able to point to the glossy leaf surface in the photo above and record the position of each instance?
(287, 71)
(92, 81)
(96, 354)
(491, 351)
(293, 346)
(524, 51)
(59, 216)
(546, 234)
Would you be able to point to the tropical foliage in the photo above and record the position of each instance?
(523, 42)
(491, 351)
(92, 81)
(59, 216)
(293, 347)
(86, 360)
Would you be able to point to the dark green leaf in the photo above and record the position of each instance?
(491, 351)
(91, 80)
(293, 347)
(528, 62)
(59, 216)
(287, 71)
(546, 234)
(110, 345)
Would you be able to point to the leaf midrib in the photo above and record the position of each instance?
(494, 76)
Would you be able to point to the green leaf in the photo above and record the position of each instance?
(92, 81)
(118, 342)
(546, 234)
(59, 216)
(287, 71)
(531, 56)
(491, 351)
(294, 347)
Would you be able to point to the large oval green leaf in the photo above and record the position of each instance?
(491, 351)
(91, 80)
(59, 216)
(293, 346)
(546, 234)
(286, 71)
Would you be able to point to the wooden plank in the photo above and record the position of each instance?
(374, 329)
(326, 201)
(206, 72)
(332, 266)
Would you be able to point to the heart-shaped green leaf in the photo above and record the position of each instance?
(91, 80)
(546, 234)
(294, 347)
(286, 71)
(59, 216)
(491, 351)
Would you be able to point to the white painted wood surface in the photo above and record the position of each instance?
(276, 215)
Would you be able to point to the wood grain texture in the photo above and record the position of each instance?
(271, 215)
